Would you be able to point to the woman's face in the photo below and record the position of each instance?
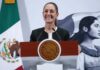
(49, 13)
(94, 31)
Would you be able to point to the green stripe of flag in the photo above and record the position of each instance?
(8, 16)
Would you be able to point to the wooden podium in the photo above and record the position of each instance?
(29, 49)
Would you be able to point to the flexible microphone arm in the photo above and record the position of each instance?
(59, 37)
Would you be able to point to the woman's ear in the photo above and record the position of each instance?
(85, 29)
(57, 14)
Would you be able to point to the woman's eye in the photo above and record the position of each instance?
(46, 11)
(51, 11)
(96, 25)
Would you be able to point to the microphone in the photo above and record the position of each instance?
(53, 29)
(59, 37)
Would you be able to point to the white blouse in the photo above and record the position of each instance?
(86, 62)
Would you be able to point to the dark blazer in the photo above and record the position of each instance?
(40, 34)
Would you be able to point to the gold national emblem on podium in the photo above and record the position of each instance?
(49, 50)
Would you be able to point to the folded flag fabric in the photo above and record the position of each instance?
(10, 27)
(20, 68)
(10, 24)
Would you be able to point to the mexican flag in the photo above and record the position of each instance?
(10, 25)
(10, 28)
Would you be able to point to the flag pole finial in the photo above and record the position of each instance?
(9, 1)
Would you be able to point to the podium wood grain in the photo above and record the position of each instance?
(29, 49)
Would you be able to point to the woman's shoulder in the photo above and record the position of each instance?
(38, 30)
(59, 28)
(62, 30)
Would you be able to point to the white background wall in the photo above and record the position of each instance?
(66, 7)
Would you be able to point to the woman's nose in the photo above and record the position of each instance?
(48, 12)
(99, 30)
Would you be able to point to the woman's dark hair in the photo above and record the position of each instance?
(56, 7)
(85, 22)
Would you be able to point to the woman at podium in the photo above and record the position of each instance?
(50, 30)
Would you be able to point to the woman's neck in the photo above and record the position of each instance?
(49, 28)
(88, 40)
